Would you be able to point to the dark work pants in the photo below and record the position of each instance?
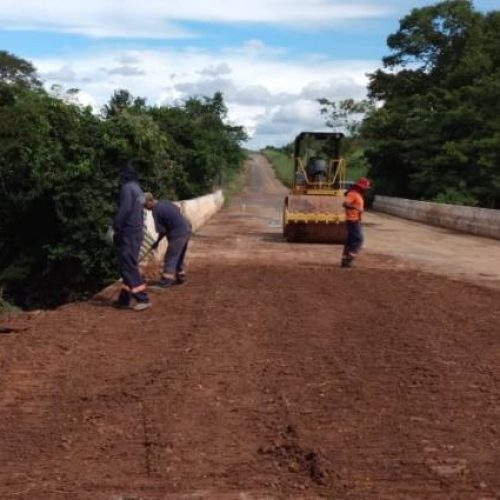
(176, 251)
(129, 246)
(354, 240)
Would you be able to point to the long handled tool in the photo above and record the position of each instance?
(147, 245)
(146, 254)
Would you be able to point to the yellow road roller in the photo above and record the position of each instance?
(313, 211)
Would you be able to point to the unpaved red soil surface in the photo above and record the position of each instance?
(272, 374)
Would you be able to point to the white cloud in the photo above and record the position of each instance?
(282, 123)
(166, 19)
(298, 111)
(205, 87)
(92, 18)
(162, 19)
(86, 99)
(64, 74)
(129, 57)
(254, 95)
(342, 88)
(214, 71)
(125, 70)
(272, 97)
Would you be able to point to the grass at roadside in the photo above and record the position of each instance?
(282, 165)
(235, 183)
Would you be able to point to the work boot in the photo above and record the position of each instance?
(123, 301)
(347, 261)
(142, 306)
(164, 283)
(181, 278)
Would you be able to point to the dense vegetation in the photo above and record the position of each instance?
(59, 166)
(436, 133)
(281, 162)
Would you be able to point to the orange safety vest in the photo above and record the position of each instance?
(354, 198)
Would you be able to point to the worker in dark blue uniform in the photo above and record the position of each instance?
(128, 225)
(170, 223)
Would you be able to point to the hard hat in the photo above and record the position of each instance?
(363, 183)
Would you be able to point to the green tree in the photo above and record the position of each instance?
(18, 72)
(122, 100)
(346, 115)
(54, 194)
(437, 128)
(203, 143)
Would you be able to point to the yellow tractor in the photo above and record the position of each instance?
(313, 211)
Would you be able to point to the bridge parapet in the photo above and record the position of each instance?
(472, 220)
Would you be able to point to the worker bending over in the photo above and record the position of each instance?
(354, 205)
(170, 223)
(128, 233)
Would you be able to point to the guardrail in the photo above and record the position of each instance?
(472, 220)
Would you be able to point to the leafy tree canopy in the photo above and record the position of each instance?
(436, 133)
(345, 115)
(16, 71)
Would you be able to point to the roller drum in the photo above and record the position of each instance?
(314, 219)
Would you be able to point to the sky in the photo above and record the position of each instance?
(272, 59)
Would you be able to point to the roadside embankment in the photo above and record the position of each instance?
(478, 221)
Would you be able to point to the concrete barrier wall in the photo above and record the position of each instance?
(478, 221)
(198, 211)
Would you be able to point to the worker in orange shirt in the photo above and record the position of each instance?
(354, 205)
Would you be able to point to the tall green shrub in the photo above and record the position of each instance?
(59, 167)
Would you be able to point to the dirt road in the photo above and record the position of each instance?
(272, 374)
(438, 250)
